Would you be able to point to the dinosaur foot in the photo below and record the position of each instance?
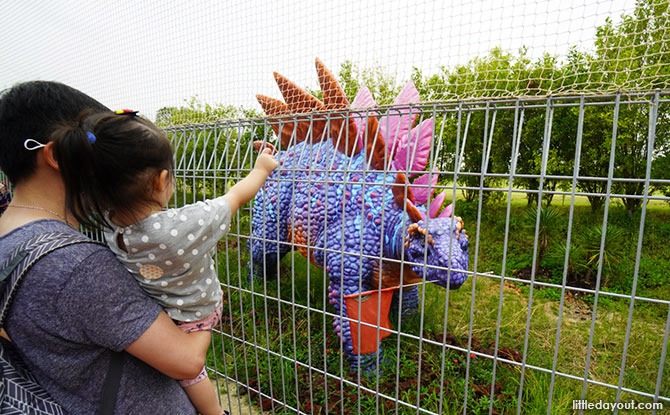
(368, 364)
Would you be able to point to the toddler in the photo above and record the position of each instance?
(127, 182)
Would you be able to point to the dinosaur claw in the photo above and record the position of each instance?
(459, 227)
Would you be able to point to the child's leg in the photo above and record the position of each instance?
(200, 390)
(203, 396)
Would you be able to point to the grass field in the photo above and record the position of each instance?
(500, 343)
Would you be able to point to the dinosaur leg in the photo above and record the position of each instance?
(338, 288)
(265, 246)
(265, 260)
(340, 324)
(409, 304)
(367, 363)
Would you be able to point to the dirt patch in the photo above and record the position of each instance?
(234, 403)
(576, 309)
(526, 273)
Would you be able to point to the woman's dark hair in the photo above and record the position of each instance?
(108, 163)
(31, 110)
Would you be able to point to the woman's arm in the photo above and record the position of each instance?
(171, 351)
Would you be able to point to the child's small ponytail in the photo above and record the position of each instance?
(73, 150)
(108, 162)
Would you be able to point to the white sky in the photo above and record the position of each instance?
(149, 54)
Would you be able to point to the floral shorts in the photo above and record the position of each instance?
(203, 324)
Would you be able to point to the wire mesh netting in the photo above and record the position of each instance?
(470, 212)
(559, 279)
(215, 56)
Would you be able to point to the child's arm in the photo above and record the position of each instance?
(244, 190)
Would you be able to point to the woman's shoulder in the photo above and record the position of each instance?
(72, 264)
(13, 239)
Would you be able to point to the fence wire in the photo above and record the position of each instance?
(562, 304)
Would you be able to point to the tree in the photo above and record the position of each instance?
(635, 55)
(213, 139)
(497, 74)
(596, 153)
(196, 112)
(383, 85)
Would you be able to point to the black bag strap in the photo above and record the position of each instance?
(111, 386)
(11, 275)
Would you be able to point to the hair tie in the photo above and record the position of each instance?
(125, 112)
(31, 144)
(91, 137)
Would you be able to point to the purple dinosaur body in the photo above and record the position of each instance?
(346, 205)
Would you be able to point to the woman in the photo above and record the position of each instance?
(78, 305)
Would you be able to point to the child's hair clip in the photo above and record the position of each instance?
(91, 137)
(125, 112)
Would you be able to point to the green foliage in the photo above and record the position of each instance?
(581, 268)
(630, 56)
(586, 256)
(383, 85)
(211, 158)
(547, 222)
(196, 112)
(596, 153)
(634, 54)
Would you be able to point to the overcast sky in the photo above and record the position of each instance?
(149, 54)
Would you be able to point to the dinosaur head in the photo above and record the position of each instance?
(442, 245)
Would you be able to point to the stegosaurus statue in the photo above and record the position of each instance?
(341, 197)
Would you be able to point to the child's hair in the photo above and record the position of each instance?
(109, 163)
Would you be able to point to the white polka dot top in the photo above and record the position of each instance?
(170, 255)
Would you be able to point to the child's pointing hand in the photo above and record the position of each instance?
(266, 161)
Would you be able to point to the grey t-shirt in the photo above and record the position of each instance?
(73, 306)
(170, 254)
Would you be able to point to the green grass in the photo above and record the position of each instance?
(289, 343)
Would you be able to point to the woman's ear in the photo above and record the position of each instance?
(48, 154)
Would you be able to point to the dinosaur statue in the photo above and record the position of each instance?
(341, 197)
